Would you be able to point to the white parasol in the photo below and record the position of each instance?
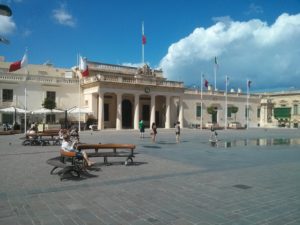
(13, 109)
(77, 110)
(46, 111)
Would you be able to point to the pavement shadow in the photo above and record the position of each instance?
(121, 163)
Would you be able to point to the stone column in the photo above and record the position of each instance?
(152, 110)
(119, 112)
(136, 111)
(180, 117)
(101, 111)
(167, 122)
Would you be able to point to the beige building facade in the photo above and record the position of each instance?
(120, 96)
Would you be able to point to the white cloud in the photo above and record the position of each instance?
(7, 25)
(63, 17)
(268, 55)
(254, 9)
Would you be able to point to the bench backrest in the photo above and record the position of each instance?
(106, 146)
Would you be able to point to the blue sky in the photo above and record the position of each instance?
(255, 40)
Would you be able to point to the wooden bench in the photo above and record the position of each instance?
(117, 150)
(42, 139)
(68, 163)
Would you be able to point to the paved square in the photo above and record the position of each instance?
(179, 184)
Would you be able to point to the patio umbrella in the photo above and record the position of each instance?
(13, 109)
(46, 111)
(77, 110)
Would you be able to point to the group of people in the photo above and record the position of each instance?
(154, 130)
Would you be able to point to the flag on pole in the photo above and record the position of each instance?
(83, 67)
(144, 40)
(19, 64)
(216, 62)
(249, 83)
(227, 80)
(206, 83)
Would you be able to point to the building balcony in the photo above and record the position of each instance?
(133, 80)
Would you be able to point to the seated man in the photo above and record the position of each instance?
(68, 146)
(31, 133)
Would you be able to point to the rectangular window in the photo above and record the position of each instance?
(106, 112)
(246, 111)
(8, 118)
(50, 118)
(229, 112)
(146, 112)
(7, 95)
(295, 109)
(258, 112)
(51, 95)
(198, 111)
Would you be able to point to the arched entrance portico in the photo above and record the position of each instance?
(127, 120)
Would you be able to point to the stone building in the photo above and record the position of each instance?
(119, 96)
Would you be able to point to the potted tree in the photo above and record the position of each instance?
(49, 103)
(234, 109)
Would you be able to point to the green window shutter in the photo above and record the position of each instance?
(229, 112)
(198, 111)
(282, 113)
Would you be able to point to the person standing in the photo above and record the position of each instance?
(154, 132)
(177, 131)
(142, 128)
(213, 135)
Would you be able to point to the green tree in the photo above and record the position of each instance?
(49, 103)
(210, 109)
(234, 109)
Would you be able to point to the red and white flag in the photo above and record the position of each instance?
(206, 83)
(19, 64)
(249, 83)
(83, 67)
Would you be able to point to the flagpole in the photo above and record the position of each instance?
(202, 76)
(215, 73)
(247, 108)
(226, 108)
(25, 119)
(25, 92)
(143, 52)
(78, 58)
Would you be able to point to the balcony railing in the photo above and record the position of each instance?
(128, 80)
(36, 78)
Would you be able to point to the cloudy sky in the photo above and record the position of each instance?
(255, 40)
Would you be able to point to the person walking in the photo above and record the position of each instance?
(142, 128)
(213, 135)
(154, 132)
(177, 131)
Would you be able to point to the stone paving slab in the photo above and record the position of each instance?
(186, 183)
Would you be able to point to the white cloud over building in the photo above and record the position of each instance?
(7, 25)
(266, 54)
(63, 17)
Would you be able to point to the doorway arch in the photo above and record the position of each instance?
(126, 114)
